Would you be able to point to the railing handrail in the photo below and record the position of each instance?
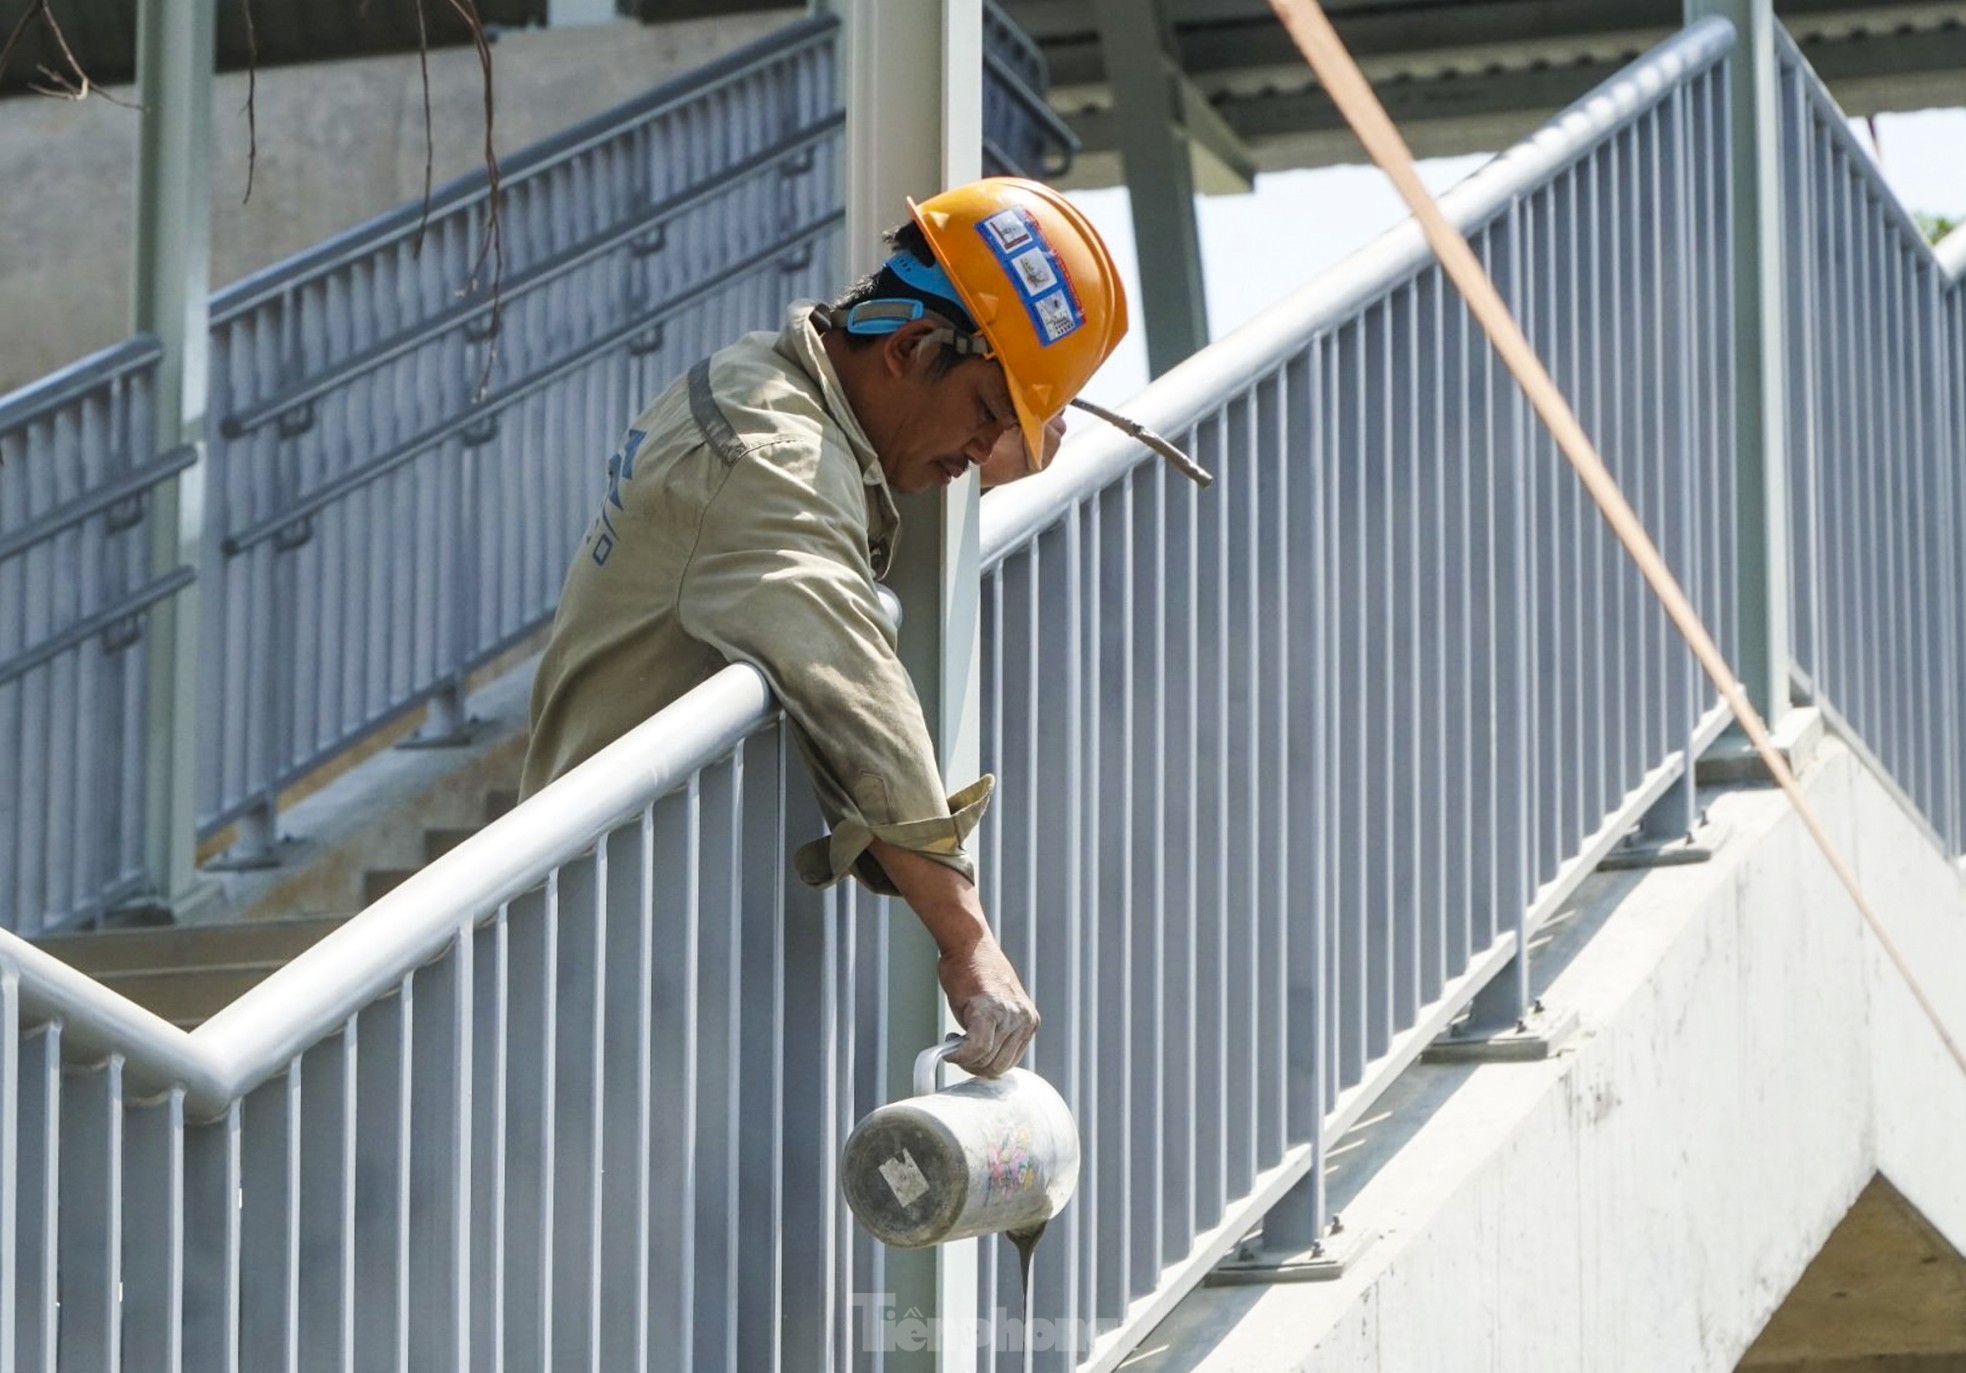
(1100, 455)
(1951, 254)
(402, 221)
(80, 377)
(312, 997)
(1789, 51)
(548, 270)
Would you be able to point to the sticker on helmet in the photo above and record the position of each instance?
(1007, 228)
(1034, 270)
(1055, 316)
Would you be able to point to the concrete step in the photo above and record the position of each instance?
(438, 842)
(270, 942)
(379, 882)
(187, 997)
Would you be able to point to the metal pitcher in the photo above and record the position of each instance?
(986, 1155)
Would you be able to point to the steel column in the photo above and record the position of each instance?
(914, 126)
(1136, 41)
(175, 41)
(1760, 381)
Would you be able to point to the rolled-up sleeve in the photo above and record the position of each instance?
(780, 578)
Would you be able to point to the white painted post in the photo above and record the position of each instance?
(175, 41)
(1760, 383)
(914, 82)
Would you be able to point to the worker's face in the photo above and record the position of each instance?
(930, 429)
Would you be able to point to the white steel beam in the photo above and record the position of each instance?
(914, 77)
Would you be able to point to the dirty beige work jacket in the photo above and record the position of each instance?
(746, 519)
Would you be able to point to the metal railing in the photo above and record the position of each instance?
(1022, 134)
(1876, 435)
(78, 463)
(1291, 770)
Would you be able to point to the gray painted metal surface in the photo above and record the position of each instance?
(79, 472)
(1876, 439)
(1290, 769)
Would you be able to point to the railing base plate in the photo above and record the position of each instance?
(454, 736)
(1253, 1264)
(1639, 852)
(1538, 1035)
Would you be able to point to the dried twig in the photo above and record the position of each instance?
(72, 84)
(14, 35)
(252, 99)
(492, 245)
(429, 134)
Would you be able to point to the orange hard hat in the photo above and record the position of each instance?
(1037, 280)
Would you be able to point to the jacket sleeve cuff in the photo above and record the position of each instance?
(941, 837)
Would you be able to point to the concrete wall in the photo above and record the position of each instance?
(338, 143)
(1644, 1200)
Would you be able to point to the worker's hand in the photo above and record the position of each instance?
(996, 1013)
(1009, 459)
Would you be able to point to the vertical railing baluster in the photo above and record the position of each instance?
(327, 1206)
(270, 1226)
(153, 1224)
(1113, 897)
(86, 1288)
(625, 1030)
(672, 1159)
(14, 1106)
(575, 935)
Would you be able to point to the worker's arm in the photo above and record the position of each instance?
(780, 578)
(990, 1003)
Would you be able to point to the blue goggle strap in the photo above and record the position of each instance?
(882, 316)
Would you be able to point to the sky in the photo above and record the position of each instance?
(1258, 248)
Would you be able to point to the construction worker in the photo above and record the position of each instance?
(750, 511)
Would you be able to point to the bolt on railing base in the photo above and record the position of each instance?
(1324, 1261)
(1639, 850)
(1538, 1034)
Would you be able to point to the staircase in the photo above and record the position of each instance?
(188, 973)
(438, 840)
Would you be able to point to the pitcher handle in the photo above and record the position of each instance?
(931, 1058)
